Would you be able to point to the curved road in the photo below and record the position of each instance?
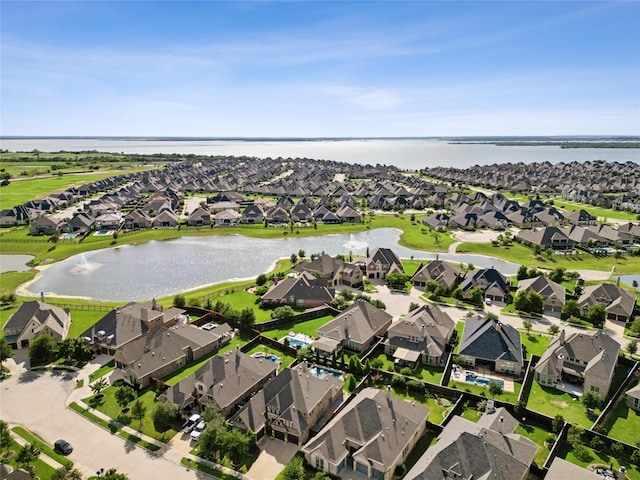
(38, 401)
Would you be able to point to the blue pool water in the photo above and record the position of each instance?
(471, 377)
(295, 343)
(319, 372)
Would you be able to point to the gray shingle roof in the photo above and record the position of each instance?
(490, 339)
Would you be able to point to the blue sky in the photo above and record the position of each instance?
(313, 69)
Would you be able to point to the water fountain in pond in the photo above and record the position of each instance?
(84, 266)
(354, 244)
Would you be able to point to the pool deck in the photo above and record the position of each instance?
(459, 375)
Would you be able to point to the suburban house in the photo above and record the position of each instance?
(348, 214)
(488, 342)
(381, 262)
(164, 350)
(165, 219)
(137, 220)
(334, 271)
(80, 223)
(546, 237)
(581, 217)
(45, 225)
(437, 221)
(300, 291)
(124, 324)
(33, 319)
(227, 218)
(372, 435)
(618, 303)
(290, 405)
(552, 293)
(199, 217)
(588, 359)
(225, 381)
(442, 272)
(632, 397)
(356, 328)
(494, 285)
(109, 221)
(252, 214)
(484, 450)
(420, 337)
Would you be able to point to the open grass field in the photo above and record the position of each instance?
(523, 255)
(241, 300)
(310, 328)
(552, 402)
(599, 212)
(536, 343)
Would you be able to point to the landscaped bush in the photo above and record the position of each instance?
(416, 386)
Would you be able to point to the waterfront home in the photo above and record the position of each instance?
(581, 358)
(162, 351)
(301, 213)
(332, 270)
(252, 214)
(199, 217)
(581, 217)
(380, 262)
(356, 328)
(300, 291)
(553, 294)
(33, 319)
(493, 284)
(445, 273)
(348, 214)
(437, 221)
(291, 404)
(109, 221)
(224, 205)
(165, 219)
(422, 336)
(277, 216)
(80, 223)
(227, 218)
(546, 237)
(371, 436)
(137, 220)
(125, 324)
(225, 381)
(490, 343)
(484, 450)
(618, 302)
(45, 225)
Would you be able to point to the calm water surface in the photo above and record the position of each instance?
(14, 263)
(163, 268)
(403, 153)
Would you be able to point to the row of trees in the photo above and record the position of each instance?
(44, 349)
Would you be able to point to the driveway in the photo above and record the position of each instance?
(38, 402)
(274, 456)
(397, 303)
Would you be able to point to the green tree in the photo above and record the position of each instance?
(527, 326)
(301, 254)
(553, 329)
(590, 400)
(557, 275)
(138, 411)
(282, 312)
(294, 469)
(294, 258)
(413, 306)
(397, 280)
(571, 309)
(261, 280)
(67, 473)
(27, 455)
(536, 302)
(596, 315)
(596, 443)
(42, 349)
(6, 351)
(247, 316)
(321, 476)
(350, 383)
(522, 273)
(476, 296)
(164, 415)
(112, 474)
(99, 385)
(635, 327)
(125, 395)
(557, 423)
(521, 301)
(632, 347)
(179, 301)
(495, 388)
(5, 435)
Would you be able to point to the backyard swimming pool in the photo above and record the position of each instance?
(320, 372)
(471, 377)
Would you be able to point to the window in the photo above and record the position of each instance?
(320, 463)
(636, 402)
(595, 389)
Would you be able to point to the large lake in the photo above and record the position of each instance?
(164, 268)
(403, 153)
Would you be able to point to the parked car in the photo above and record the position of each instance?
(487, 301)
(63, 447)
(197, 431)
(191, 423)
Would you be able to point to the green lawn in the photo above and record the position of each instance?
(624, 424)
(460, 330)
(44, 447)
(596, 211)
(538, 436)
(110, 366)
(597, 458)
(285, 360)
(40, 469)
(552, 402)
(520, 254)
(536, 343)
(471, 414)
(310, 328)
(110, 407)
(241, 300)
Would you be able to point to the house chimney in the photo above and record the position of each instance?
(618, 281)
(154, 305)
(562, 337)
(498, 327)
(501, 425)
(42, 294)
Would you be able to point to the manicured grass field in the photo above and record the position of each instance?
(536, 343)
(552, 402)
(40, 468)
(241, 300)
(597, 458)
(471, 415)
(103, 370)
(596, 211)
(310, 328)
(538, 436)
(624, 424)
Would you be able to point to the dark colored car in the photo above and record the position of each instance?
(62, 446)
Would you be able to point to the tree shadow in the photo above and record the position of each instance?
(28, 377)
